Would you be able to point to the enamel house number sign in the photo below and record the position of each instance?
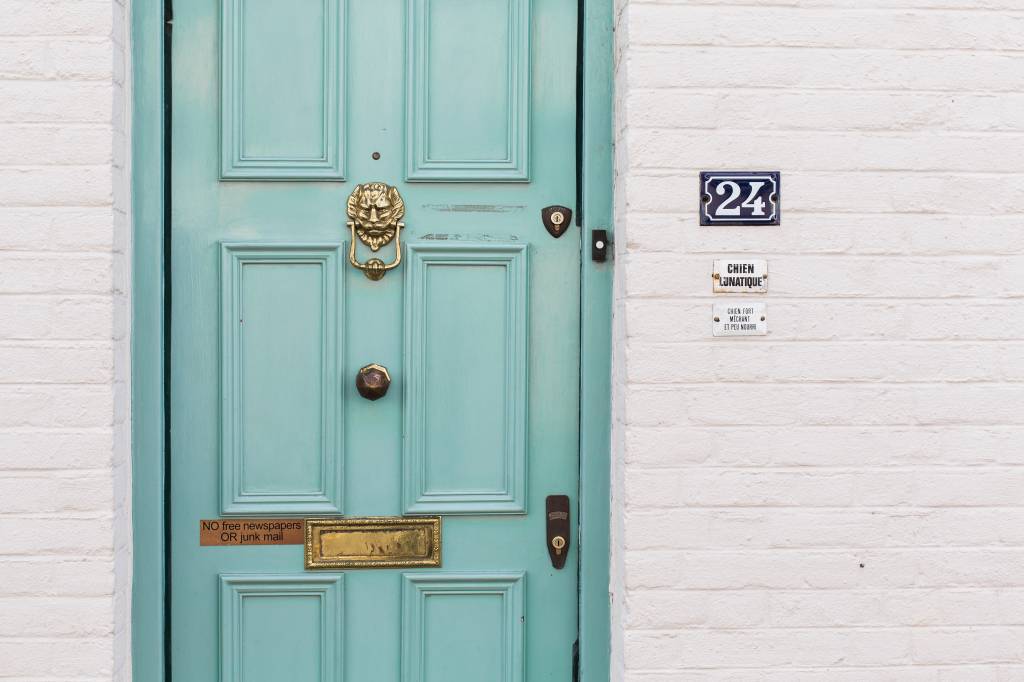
(740, 197)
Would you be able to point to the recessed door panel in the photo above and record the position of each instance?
(465, 400)
(283, 87)
(277, 628)
(281, 418)
(442, 612)
(469, 118)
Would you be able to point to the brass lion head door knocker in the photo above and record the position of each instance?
(375, 212)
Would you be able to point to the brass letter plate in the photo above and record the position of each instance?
(375, 542)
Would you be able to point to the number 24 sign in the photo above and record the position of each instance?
(740, 197)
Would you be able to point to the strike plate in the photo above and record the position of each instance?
(559, 530)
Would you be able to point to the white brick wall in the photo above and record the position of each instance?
(64, 521)
(843, 499)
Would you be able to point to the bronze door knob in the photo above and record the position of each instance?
(373, 381)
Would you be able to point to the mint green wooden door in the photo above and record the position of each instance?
(280, 108)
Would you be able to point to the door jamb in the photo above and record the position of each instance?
(149, 156)
(596, 184)
(148, 428)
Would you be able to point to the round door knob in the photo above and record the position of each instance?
(372, 381)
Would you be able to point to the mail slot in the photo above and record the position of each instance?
(374, 542)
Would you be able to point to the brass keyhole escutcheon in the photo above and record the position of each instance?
(375, 211)
(558, 542)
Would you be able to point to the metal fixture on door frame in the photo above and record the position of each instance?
(556, 220)
(558, 529)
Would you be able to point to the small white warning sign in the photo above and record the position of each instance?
(739, 318)
(740, 277)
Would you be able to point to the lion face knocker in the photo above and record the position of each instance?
(375, 212)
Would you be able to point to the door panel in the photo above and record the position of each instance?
(444, 611)
(280, 330)
(283, 89)
(279, 110)
(465, 391)
(252, 609)
(468, 116)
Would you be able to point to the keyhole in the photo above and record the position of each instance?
(558, 542)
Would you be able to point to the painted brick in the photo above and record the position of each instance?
(51, 449)
(715, 67)
(821, 233)
(820, 405)
(56, 186)
(56, 658)
(776, 568)
(82, 363)
(799, 446)
(56, 58)
(840, 500)
(57, 492)
(794, 647)
(55, 102)
(57, 18)
(63, 239)
(49, 317)
(56, 229)
(930, 150)
(65, 145)
(750, 108)
(43, 577)
(55, 273)
(63, 617)
(31, 536)
(677, 24)
(986, 673)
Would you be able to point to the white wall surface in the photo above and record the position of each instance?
(842, 499)
(63, 341)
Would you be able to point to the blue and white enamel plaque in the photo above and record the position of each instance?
(740, 197)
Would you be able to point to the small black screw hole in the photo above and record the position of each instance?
(376, 156)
